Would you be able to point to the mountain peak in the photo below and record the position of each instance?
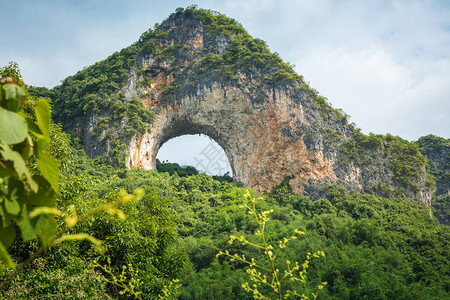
(200, 72)
(200, 29)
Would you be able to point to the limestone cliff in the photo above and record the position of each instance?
(437, 150)
(200, 72)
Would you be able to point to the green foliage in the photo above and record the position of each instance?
(29, 187)
(282, 192)
(22, 191)
(141, 234)
(173, 168)
(224, 178)
(437, 150)
(128, 279)
(219, 281)
(441, 206)
(272, 277)
(244, 52)
(215, 22)
(408, 165)
(406, 161)
(41, 280)
(95, 92)
(41, 92)
(12, 134)
(143, 237)
(12, 70)
(375, 247)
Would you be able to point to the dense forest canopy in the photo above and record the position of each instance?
(374, 247)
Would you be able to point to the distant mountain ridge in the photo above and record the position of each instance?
(201, 72)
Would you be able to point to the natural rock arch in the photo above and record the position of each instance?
(196, 150)
(250, 133)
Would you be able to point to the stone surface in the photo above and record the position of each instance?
(251, 136)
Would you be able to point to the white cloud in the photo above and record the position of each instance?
(381, 94)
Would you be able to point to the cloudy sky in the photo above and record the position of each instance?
(385, 63)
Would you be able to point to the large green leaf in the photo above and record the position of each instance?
(19, 165)
(45, 196)
(4, 255)
(48, 231)
(5, 217)
(42, 110)
(49, 169)
(8, 235)
(12, 206)
(11, 96)
(31, 228)
(13, 128)
(12, 190)
(33, 128)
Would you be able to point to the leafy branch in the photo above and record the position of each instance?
(28, 195)
(269, 275)
(128, 279)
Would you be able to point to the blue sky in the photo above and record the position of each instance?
(385, 63)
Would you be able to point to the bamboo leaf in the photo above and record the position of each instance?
(48, 231)
(42, 110)
(49, 169)
(12, 206)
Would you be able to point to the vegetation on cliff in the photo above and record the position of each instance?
(402, 158)
(100, 93)
(240, 53)
(374, 247)
(437, 150)
(95, 95)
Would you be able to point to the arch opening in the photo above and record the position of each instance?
(197, 150)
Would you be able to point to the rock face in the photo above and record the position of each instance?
(256, 138)
(202, 73)
(437, 150)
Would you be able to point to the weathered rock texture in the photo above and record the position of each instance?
(266, 118)
(437, 150)
(251, 134)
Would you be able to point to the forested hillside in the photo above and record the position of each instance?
(374, 247)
